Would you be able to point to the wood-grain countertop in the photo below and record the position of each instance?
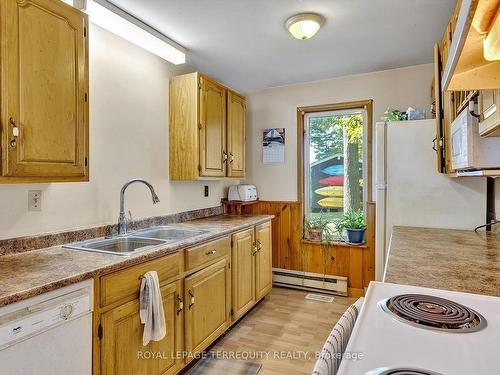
(458, 260)
(34, 272)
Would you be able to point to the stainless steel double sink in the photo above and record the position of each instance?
(137, 241)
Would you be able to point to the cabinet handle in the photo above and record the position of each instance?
(254, 246)
(15, 132)
(211, 252)
(231, 157)
(181, 304)
(224, 156)
(434, 144)
(191, 303)
(259, 245)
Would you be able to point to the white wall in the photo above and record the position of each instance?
(128, 139)
(276, 107)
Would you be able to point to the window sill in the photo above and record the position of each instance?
(334, 243)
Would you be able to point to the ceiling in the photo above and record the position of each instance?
(244, 44)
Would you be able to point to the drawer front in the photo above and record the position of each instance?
(199, 255)
(126, 283)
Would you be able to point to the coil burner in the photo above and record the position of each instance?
(434, 313)
(401, 371)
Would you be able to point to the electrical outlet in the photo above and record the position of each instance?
(206, 191)
(34, 200)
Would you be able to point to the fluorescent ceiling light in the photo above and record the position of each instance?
(121, 23)
(304, 26)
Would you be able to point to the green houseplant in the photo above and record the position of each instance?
(353, 223)
(314, 228)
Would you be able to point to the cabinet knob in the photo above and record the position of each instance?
(259, 245)
(15, 132)
(211, 252)
(181, 304)
(191, 303)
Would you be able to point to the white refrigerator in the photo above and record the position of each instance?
(410, 191)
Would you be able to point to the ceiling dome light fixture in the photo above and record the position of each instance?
(304, 26)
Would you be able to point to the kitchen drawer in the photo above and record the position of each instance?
(127, 282)
(199, 255)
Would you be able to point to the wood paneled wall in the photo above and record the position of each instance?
(357, 263)
(286, 230)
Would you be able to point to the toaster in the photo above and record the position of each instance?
(243, 193)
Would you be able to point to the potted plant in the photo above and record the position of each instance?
(313, 229)
(353, 222)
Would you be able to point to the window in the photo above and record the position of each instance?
(335, 162)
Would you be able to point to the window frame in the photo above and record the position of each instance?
(306, 152)
(367, 106)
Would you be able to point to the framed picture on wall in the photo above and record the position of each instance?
(273, 146)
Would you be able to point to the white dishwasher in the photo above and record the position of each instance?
(50, 334)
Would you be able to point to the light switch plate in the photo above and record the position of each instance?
(34, 200)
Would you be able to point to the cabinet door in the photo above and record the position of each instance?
(236, 135)
(122, 351)
(44, 89)
(207, 296)
(243, 272)
(263, 261)
(439, 141)
(489, 106)
(213, 155)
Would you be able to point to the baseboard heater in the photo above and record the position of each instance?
(310, 281)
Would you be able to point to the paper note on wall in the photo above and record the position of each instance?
(273, 146)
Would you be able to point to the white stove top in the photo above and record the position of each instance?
(385, 341)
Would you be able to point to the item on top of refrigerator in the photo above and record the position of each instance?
(392, 114)
(415, 114)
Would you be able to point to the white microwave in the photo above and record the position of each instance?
(470, 151)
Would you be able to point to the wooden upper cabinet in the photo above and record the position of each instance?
(439, 140)
(489, 108)
(121, 345)
(207, 124)
(213, 154)
(236, 106)
(465, 66)
(263, 260)
(44, 91)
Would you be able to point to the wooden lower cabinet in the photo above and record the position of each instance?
(207, 296)
(263, 260)
(205, 289)
(252, 267)
(122, 351)
(243, 275)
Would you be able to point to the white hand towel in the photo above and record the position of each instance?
(151, 309)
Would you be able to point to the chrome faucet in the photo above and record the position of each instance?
(123, 221)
